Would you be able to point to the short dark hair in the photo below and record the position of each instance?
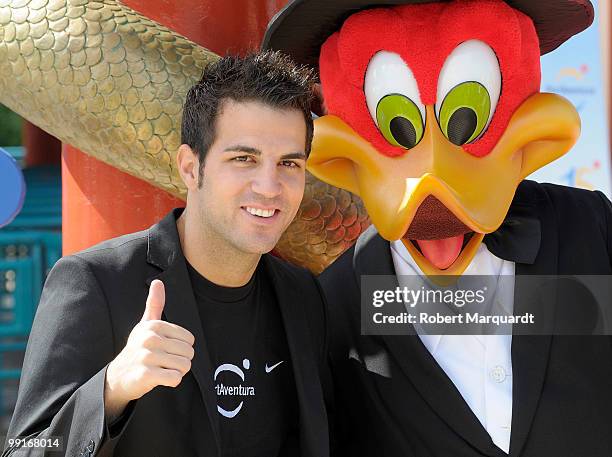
(269, 77)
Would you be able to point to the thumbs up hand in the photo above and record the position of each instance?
(157, 353)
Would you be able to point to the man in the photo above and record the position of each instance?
(435, 117)
(188, 339)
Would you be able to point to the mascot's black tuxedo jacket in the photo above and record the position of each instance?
(91, 302)
(392, 398)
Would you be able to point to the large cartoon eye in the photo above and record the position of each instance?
(393, 99)
(468, 91)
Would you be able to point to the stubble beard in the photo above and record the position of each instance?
(229, 241)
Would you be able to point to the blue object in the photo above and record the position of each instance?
(12, 188)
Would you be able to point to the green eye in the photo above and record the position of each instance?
(465, 112)
(399, 120)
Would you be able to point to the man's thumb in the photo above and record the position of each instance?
(155, 301)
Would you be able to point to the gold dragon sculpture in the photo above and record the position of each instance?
(104, 78)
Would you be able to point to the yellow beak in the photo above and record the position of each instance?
(477, 190)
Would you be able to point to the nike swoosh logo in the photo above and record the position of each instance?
(269, 369)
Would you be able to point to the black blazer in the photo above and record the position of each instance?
(90, 303)
(394, 398)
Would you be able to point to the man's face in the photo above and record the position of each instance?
(254, 175)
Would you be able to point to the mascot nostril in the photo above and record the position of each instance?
(12, 188)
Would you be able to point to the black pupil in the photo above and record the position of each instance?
(403, 131)
(461, 125)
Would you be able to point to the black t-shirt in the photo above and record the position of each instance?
(253, 378)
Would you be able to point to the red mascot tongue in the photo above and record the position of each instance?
(442, 253)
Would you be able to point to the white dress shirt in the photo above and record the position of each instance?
(480, 366)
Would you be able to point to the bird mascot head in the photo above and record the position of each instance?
(433, 109)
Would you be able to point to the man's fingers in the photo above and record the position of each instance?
(170, 330)
(155, 301)
(167, 377)
(156, 342)
(158, 359)
(178, 347)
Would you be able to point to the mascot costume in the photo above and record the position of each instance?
(434, 118)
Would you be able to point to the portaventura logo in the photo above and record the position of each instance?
(233, 390)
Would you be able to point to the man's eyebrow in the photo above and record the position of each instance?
(242, 148)
(294, 155)
(257, 152)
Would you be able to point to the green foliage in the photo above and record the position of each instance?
(10, 127)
